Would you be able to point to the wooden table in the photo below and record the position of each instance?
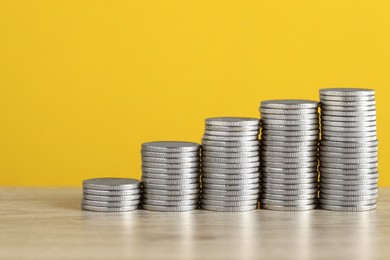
(47, 223)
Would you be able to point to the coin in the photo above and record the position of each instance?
(347, 92)
(347, 203)
(264, 110)
(288, 176)
(361, 135)
(230, 160)
(231, 155)
(111, 198)
(349, 198)
(228, 209)
(170, 155)
(170, 146)
(232, 121)
(288, 202)
(289, 117)
(365, 160)
(347, 98)
(170, 202)
(289, 154)
(238, 149)
(230, 187)
(289, 104)
(278, 186)
(169, 181)
(231, 176)
(289, 208)
(153, 170)
(349, 192)
(266, 180)
(373, 144)
(364, 113)
(287, 122)
(231, 198)
(286, 160)
(170, 165)
(112, 192)
(348, 103)
(369, 149)
(281, 138)
(232, 128)
(289, 150)
(169, 198)
(242, 192)
(171, 192)
(348, 124)
(229, 182)
(289, 165)
(223, 203)
(267, 132)
(356, 172)
(348, 208)
(303, 191)
(348, 119)
(122, 203)
(254, 133)
(230, 138)
(325, 107)
(170, 160)
(286, 171)
(349, 139)
(111, 184)
(355, 155)
(169, 208)
(230, 165)
(306, 127)
(171, 176)
(349, 177)
(109, 209)
(349, 129)
(289, 144)
(211, 170)
(189, 186)
(230, 143)
(350, 166)
(287, 197)
(345, 187)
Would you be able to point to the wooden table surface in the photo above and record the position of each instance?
(47, 223)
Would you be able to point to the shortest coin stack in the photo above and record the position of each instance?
(111, 194)
(170, 176)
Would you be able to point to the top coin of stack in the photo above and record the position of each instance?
(111, 194)
(230, 164)
(170, 176)
(290, 135)
(348, 150)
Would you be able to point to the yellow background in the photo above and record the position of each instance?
(84, 83)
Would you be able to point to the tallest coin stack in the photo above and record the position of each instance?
(348, 150)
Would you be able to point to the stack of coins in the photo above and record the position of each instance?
(230, 164)
(289, 154)
(170, 176)
(348, 150)
(111, 194)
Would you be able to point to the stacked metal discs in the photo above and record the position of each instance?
(289, 151)
(348, 150)
(111, 194)
(170, 176)
(230, 164)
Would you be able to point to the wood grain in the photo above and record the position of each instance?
(47, 223)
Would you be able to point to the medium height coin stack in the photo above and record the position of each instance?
(170, 176)
(289, 141)
(348, 150)
(230, 164)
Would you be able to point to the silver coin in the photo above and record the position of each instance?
(170, 165)
(232, 128)
(112, 192)
(111, 204)
(325, 107)
(230, 165)
(170, 146)
(171, 176)
(349, 198)
(289, 154)
(330, 149)
(230, 155)
(286, 122)
(349, 192)
(347, 119)
(289, 192)
(349, 160)
(232, 121)
(349, 139)
(230, 160)
(310, 196)
(356, 172)
(289, 150)
(229, 182)
(231, 176)
(238, 149)
(241, 192)
(300, 144)
(364, 113)
(281, 138)
(169, 208)
(169, 181)
(171, 187)
(271, 132)
(223, 203)
(193, 170)
(111, 198)
(348, 209)
(346, 203)
(347, 98)
(371, 144)
(292, 177)
(306, 127)
(277, 186)
(109, 209)
(348, 124)
(289, 208)
(111, 184)
(358, 103)
(230, 138)
(348, 155)
(275, 111)
(289, 104)
(236, 187)
(324, 186)
(266, 180)
(350, 177)
(171, 192)
(361, 135)
(289, 165)
(231, 133)
(228, 209)
(170, 160)
(271, 170)
(350, 166)
(347, 92)
(169, 198)
(349, 129)
(289, 117)
(288, 202)
(211, 170)
(170, 155)
(275, 159)
(174, 203)
(230, 143)
(231, 198)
